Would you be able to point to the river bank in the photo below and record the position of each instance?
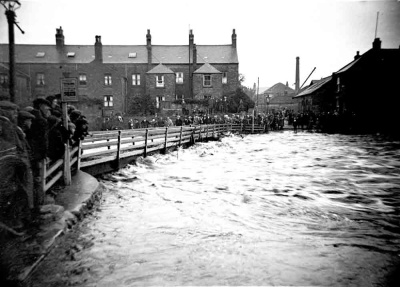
(21, 255)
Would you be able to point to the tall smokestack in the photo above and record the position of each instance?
(297, 88)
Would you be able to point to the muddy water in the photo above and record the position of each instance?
(274, 209)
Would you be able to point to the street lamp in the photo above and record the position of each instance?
(225, 108)
(11, 6)
(267, 102)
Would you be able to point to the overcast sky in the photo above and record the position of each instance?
(270, 34)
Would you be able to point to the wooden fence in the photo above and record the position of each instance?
(114, 146)
(54, 170)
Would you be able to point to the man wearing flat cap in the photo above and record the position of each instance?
(38, 141)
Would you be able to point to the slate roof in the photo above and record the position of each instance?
(314, 87)
(160, 69)
(278, 88)
(206, 69)
(348, 66)
(382, 55)
(166, 54)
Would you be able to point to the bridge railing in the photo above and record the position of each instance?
(54, 170)
(107, 146)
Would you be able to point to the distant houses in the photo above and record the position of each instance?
(110, 77)
(366, 88)
(278, 97)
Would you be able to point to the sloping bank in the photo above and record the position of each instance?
(20, 255)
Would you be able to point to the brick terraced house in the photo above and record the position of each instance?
(111, 76)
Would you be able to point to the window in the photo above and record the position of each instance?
(107, 80)
(82, 79)
(179, 78)
(132, 55)
(108, 101)
(40, 54)
(338, 84)
(40, 79)
(3, 80)
(71, 54)
(160, 81)
(135, 79)
(207, 80)
(224, 77)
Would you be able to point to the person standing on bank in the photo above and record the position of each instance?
(38, 141)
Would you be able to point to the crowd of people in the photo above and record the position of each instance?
(30, 137)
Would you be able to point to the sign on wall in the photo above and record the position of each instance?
(69, 90)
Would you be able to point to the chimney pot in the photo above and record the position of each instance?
(149, 50)
(357, 55)
(234, 38)
(59, 38)
(376, 45)
(98, 49)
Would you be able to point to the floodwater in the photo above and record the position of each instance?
(273, 209)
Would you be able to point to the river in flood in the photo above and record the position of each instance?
(272, 209)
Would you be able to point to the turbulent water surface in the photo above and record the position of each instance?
(271, 209)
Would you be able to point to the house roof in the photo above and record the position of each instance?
(314, 87)
(160, 69)
(206, 69)
(166, 54)
(365, 59)
(278, 88)
(349, 66)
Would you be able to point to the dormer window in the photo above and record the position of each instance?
(160, 81)
(179, 78)
(206, 80)
(71, 54)
(40, 54)
(225, 77)
(132, 55)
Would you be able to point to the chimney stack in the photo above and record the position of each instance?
(194, 56)
(297, 88)
(357, 55)
(59, 38)
(149, 50)
(233, 39)
(376, 45)
(191, 40)
(98, 49)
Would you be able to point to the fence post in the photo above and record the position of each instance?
(118, 150)
(193, 132)
(200, 139)
(145, 143)
(79, 156)
(66, 168)
(207, 132)
(180, 136)
(166, 140)
(108, 140)
(213, 133)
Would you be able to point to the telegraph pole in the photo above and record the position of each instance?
(11, 6)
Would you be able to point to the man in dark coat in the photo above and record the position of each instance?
(38, 141)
